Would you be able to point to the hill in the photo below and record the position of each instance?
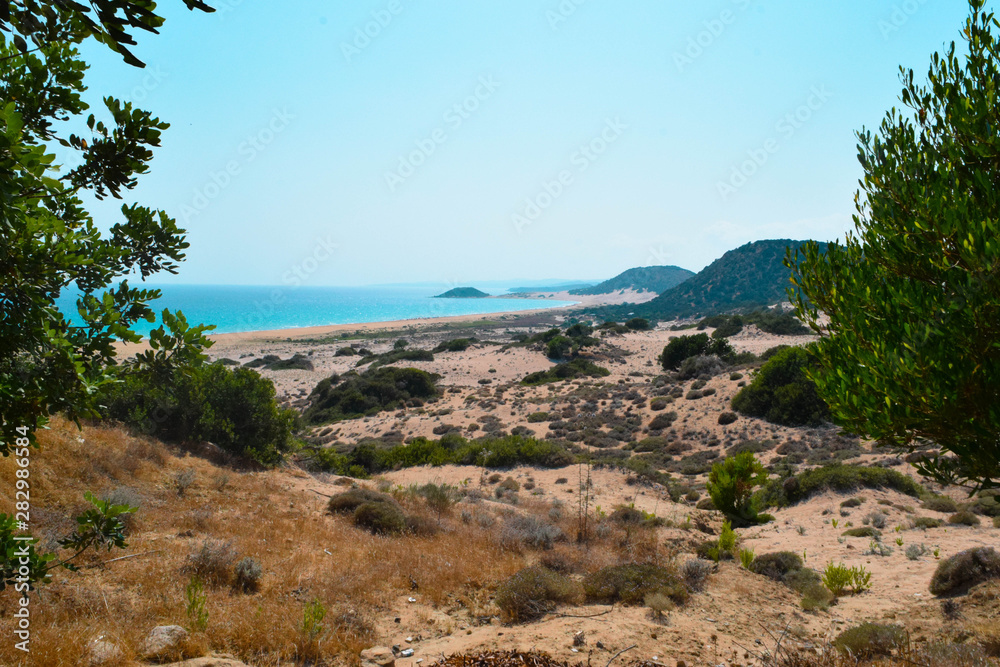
(551, 287)
(463, 293)
(750, 276)
(645, 278)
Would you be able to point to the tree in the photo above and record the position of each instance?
(731, 483)
(49, 243)
(911, 352)
(107, 21)
(782, 392)
(684, 347)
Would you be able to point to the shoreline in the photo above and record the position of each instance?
(579, 301)
(384, 325)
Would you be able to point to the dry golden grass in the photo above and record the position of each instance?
(305, 554)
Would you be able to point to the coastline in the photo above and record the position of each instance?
(324, 330)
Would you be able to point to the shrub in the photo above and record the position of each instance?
(776, 565)
(536, 417)
(629, 584)
(746, 558)
(964, 518)
(213, 562)
(232, 408)
(638, 324)
(876, 519)
(852, 502)
(781, 393)
(965, 569)
(836, 578)
(345, 352)
(662, 421)
(940, 504)
(685, 347)
(380, 518)
(695, 574)
(659, 403)
(915, 551)
(843, 478)
(522, 530)
(659, 604)
(870, 639)
(246, 575)
(862, 531)
(455, 345)
(925, 522)
(731, 483)
(532, 592)
(727, 418)
(700, 366)
(351, 396)
(510, 484)
(348, 501)
(566, 371)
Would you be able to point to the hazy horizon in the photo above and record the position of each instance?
(458, 145)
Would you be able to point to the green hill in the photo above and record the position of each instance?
(750, 276)
(645, 278)
(462, 293)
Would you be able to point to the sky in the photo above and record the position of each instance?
(450, 142)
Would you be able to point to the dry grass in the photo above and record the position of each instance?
(305, 555)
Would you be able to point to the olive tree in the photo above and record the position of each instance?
(910, 352)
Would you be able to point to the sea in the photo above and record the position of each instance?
(241, 308)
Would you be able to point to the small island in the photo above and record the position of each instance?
(463, 293)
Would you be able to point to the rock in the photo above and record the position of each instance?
(163, 641)
(103, 651)
(378, 656)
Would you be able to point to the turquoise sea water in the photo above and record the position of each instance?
(256, 308)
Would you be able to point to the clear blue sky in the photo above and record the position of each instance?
(312, 122)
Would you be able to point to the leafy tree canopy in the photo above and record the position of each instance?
(111, 22)
(49, 243)
(911, 351)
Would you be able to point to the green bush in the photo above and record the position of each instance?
(731, 483)
(380, 518)
(455, 345)
(351, 396)
(396, 355)
(852, 502)
(638, 324)
(345, 352)
(776, 565)
(869, 640)
(782, 394)
(964, 518)
(685, 347)
(537, 417)
(727, 418)
(662, 421)
(939, 504)
(232, 408)
(629, 584)
(352, 499)
(965, 569)
(927, 522)
(843, 478)
(568, 370)
(506, 452)
(862, 531)
(532, 592)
